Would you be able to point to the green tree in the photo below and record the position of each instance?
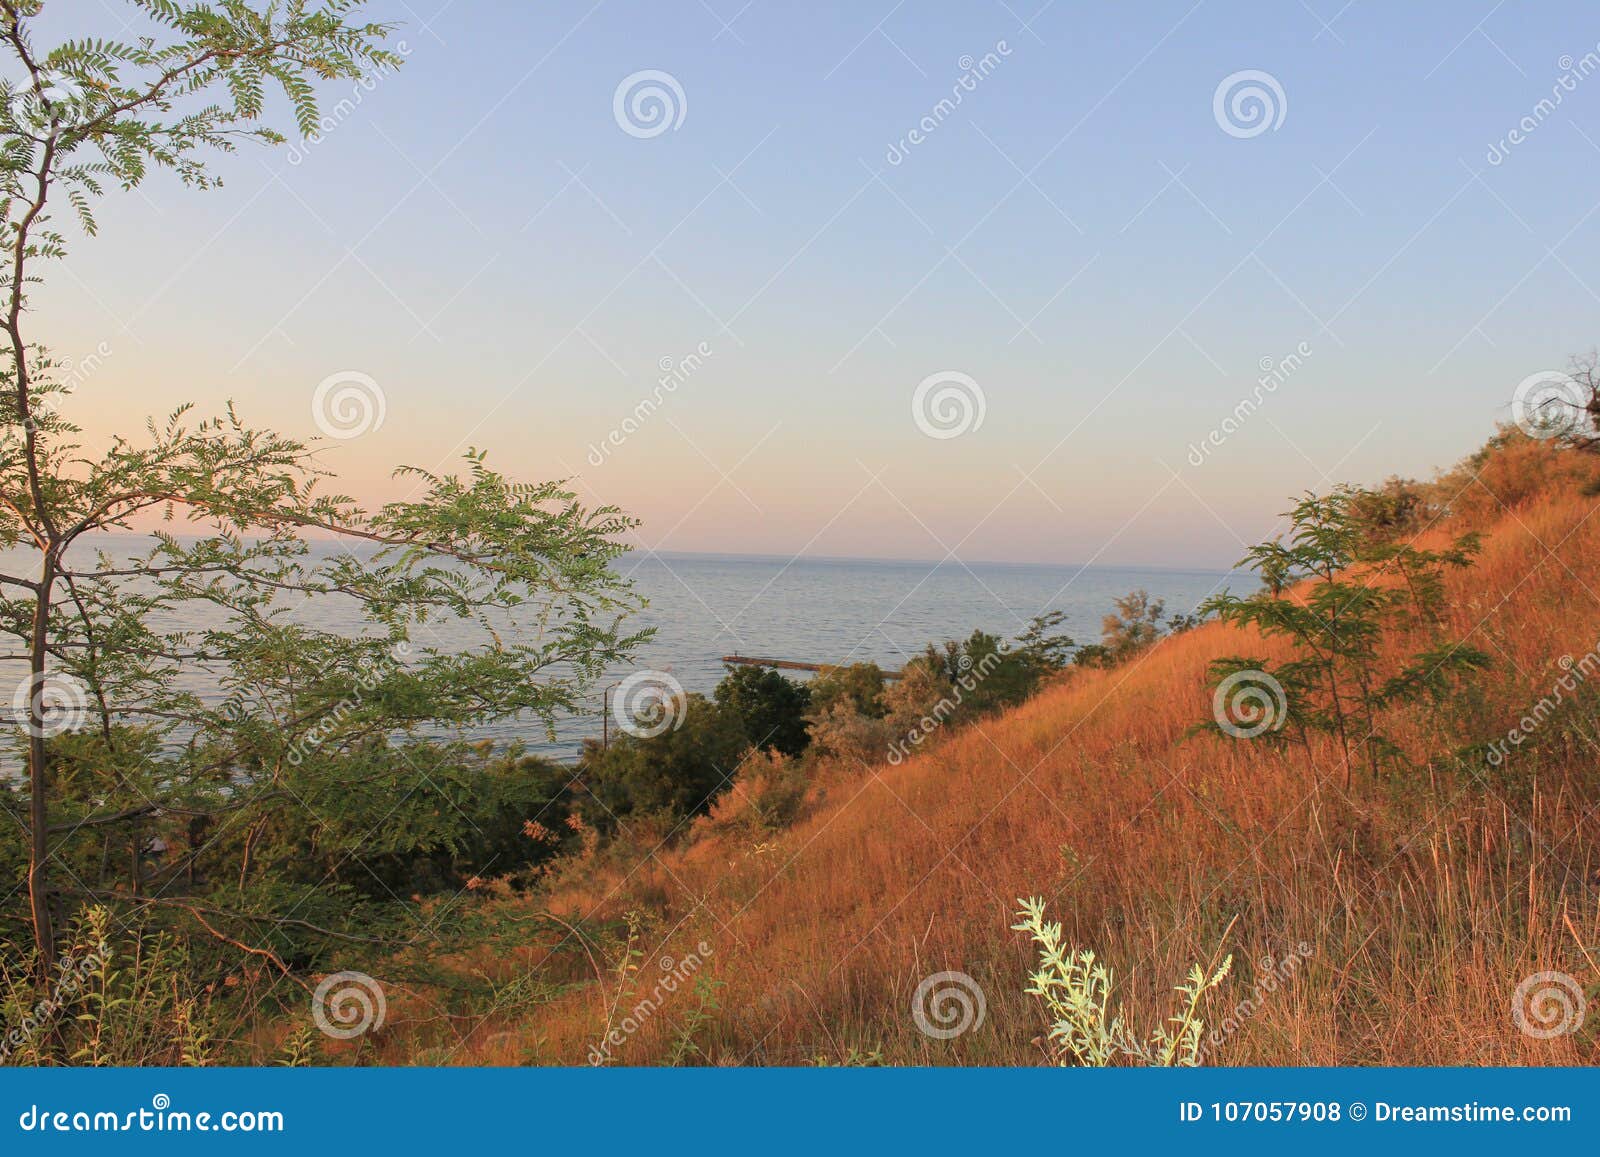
(489, 813)
(965, 679)
(1044, 645)
(1133, 625)
(982, 673)
(678, 772)
(771, 708)
(858, 687)
(1337, 596)
(310, 718)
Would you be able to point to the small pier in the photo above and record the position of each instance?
(791, 665)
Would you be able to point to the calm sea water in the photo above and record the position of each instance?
(816, 610)
(853, 610)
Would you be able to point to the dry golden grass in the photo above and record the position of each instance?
(1425, 898)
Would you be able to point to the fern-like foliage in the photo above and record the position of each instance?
(1339, 593)
(319, 739)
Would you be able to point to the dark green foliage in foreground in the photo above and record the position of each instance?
(436, 819)
(678, 773)
(771, 707)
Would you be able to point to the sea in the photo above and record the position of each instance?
(704, 607)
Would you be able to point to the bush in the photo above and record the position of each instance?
(1134, 625)
(770, 789)
(982, 674)
(1338, 599)
(112, 998)
(771, 708)
(1076, 990)
(514, 818)
(679, 772)
(1510, 470)
(845, 733)
(859, 687)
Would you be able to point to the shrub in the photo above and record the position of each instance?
(112, 998)
(1337, 598)
(845, 733)
(771, 708)
(982, 674)
(859, 687)
(779, 792)
(1043, 646)
(678, 773)
(1076, 991)
(1134, 625)
(511, 816)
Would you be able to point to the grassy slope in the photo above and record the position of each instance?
(1425, 899)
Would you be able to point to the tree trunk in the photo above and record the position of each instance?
(38, 803)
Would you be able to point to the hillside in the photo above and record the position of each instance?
(1409, 909)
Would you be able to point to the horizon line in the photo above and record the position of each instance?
(762, 556)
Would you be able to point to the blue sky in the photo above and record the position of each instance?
(483, 242)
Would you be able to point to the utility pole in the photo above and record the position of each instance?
(605, 715)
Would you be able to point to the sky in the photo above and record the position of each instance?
(1017, 326)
